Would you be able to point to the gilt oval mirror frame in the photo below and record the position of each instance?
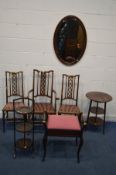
(70, 40)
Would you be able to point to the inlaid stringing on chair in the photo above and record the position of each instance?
(14, 89)
(43, 93)
(69, 95)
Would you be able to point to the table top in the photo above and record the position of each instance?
(101, 97)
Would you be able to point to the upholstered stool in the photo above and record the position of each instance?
(63, 126)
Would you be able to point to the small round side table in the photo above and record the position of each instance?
(98, 97)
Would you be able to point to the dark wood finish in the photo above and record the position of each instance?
(23, 144)
(70, 40)
(14, 89)
(99, 110)
(69, 95)
(95, 121)
(25, 126)
(24, 110)
(98, 97)
(43, 93)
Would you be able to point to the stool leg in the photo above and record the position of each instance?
(79, 148)
(44, 146)
(14, 155)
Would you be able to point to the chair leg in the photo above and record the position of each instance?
(3, 120)
(44, 146)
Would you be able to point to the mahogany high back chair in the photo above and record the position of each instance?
(14, 89)
(43, 93)
(69, 95)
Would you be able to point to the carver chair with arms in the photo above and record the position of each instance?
(14, 89)
(43, 94)
(69, 95)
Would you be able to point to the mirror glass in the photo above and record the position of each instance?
(70, 40)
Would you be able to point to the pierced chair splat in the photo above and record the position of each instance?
(69, 95)
(14, 89)
(43, 93)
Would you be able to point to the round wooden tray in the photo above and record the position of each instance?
(23, 144)
(24, 127)
(95, 121)
(99, 110)
(24, 110)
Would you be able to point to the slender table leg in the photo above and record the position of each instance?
(96, 112)
(3, 119)
(89, 111)
(104, 118)
(33, 146)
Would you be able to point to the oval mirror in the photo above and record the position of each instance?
(70, 40)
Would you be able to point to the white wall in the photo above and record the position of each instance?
(26, 42)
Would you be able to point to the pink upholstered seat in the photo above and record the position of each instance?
(63, 126)
(64, 122)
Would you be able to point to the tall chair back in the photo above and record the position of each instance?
(69, 94)
(14, 89)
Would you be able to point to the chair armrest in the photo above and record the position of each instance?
(30, 92)
(57, 98)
